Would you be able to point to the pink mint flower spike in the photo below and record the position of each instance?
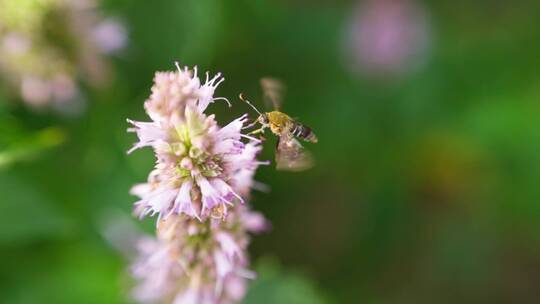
(211, 270)
(191, 147)
(198, 191)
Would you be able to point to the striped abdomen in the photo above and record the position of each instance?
(304, 132)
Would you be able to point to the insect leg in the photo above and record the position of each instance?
(251, 125)
(260, 130)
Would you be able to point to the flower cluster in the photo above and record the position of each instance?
(196, 262)
(198, 189)
(46, 45)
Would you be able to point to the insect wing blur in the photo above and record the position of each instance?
(273, 92)
(291, 155)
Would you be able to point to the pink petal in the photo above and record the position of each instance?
(183, 203)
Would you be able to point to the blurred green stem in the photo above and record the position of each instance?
(29, 147)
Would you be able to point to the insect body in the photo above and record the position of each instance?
(280, 123)
(290, 154)
(304, 132)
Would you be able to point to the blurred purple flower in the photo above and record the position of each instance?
(15, 44)
(387, 37)
(44, 70)
(110, 36)
(196, 262)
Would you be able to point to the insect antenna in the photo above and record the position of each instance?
(242, 97)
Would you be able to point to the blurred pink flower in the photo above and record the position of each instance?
(155, 269)
(16, 44)
(194, 262)
(110, 36)
(387, 37)
(45, 71)
(35, 91)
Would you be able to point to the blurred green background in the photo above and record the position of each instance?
(426, 185)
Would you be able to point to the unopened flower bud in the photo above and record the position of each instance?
(186, 163)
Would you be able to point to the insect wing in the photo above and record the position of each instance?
(291, 156)
(273, 91)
